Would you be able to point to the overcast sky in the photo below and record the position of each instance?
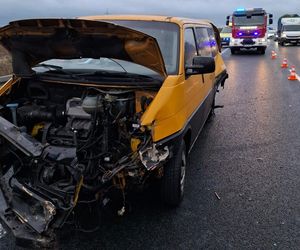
(215, 10)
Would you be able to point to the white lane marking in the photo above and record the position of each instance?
(224, 51)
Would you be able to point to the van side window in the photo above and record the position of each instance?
(213, 42)
(189, 46)
(203, 42)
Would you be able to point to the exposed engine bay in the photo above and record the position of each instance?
(67, 150)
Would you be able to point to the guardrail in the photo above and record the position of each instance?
(3, 79)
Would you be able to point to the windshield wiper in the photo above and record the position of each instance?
(49, 66)
(124, 76)
(56, 68)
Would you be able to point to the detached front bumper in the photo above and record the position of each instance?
(12, 220)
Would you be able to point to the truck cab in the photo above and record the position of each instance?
(249, 29)
(289, 32)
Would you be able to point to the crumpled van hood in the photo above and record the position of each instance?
(33, 41)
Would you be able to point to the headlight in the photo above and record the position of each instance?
(283, 35)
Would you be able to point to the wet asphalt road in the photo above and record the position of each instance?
(249, 154)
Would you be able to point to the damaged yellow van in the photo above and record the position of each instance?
(98, 106)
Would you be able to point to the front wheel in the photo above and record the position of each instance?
(233, 51)
(172, 183)
(262, 51)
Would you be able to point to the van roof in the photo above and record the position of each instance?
(179, 20)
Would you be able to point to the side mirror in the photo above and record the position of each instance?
(201, 65)
(271, 21)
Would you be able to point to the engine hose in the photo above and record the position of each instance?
(66, 183)
(90, 145)
(90, 141)
(93, 127)
(91, 188)
(109, 92)
(96, 156)
(68, 189)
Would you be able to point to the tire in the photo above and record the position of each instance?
(262, 51)
(172, 183)
(233, 51)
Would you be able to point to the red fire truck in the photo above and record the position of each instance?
(249, 29)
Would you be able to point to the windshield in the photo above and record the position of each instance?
(167, 36)
(226, 30)
(291, 28)
(244, 20)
